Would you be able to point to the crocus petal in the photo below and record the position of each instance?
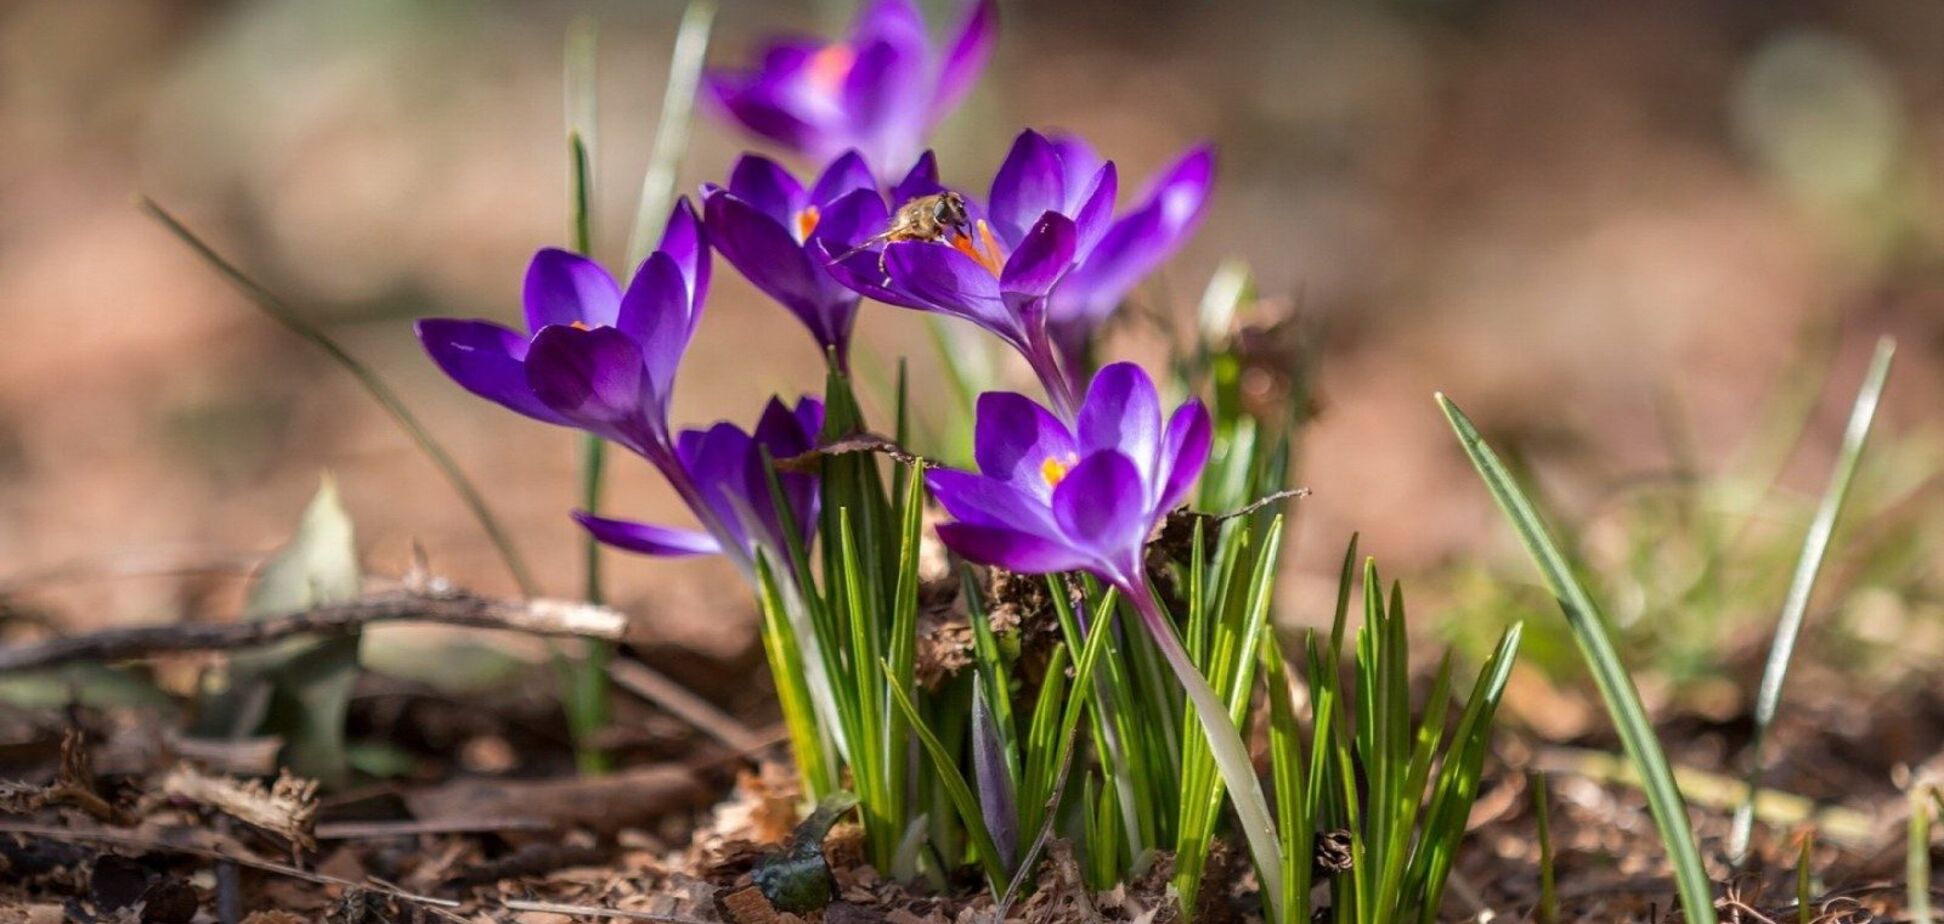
(854, 218)
(966, 58)
(1079, 162)
(684, 242)
(1184, 450)
(565, 288)
(810, 417)
(655, 312)
(593, 378)
(848, 172)
(781, 432)
(1029, 184)
(950, 282)
(895, 21)
(884, 96)
(775, 263)
(767, 188)
(757, 109)
(972, 498)
(1094, 213)
(1015, 440)
(1044, 254)
(1010, 549)
(487, 360)
(647, 538)
(920, 180)
(1101, 507)
(1137, 243)
(1122, 412)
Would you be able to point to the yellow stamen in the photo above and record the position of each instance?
(1054, 469)
(806, 222)
(986, 251)
(578, 325)
(829, 67)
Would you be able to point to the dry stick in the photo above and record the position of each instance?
(597, 912)
(377, 830)
(450, 607)
(116, 838)
(683, 704)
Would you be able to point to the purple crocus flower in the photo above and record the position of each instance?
(723, 477)
(773, 230)
(1131, 247)
(1050, 498)
(1034, 226)
(879, 90)
(1046, 260)
(594, 357)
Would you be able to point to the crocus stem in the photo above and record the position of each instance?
(588, 707)
(1224, 742)
(1043, 357)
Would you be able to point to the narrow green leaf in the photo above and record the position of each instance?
(297, 324)
(1616, 687)
(1548, 910)
(671, 130)
(945, 770)
(1917, 857)
(1815, 545)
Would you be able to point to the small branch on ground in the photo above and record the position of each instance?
(444, 605)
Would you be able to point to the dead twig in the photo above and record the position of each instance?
(287, 808)
(596, 912)
(857, 442)
(445, 605)
(682, 703)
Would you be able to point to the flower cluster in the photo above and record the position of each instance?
(1041, 261)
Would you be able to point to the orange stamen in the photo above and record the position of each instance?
(986, 252)
(1055, 470)
(578, 325)
(806, 222)
(830, 66)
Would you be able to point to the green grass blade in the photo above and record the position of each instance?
(1917, 857)
(587, 689)
(671, 130)
(297, 324)
(1815, 545)
(792, 691)
(1548, 910)
(1616, 687)
(946, 771)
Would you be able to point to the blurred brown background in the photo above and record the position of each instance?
(1582, 219)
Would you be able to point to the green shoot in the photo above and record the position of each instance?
(1815, 545)
(1596, 646)
(1548, 911)
(671, 129)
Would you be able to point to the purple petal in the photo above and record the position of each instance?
(781, 432)
(1137, 243)
(967, 57)
(1184, 450)
(563, 287)
(998, 803)
(684, 241)
(647, 538)
(757, 108)
(810, 417)
(920, 180)
(1029, 184)
(775, 263)
(1101, 507)
(1079, 162)
(1043, 256)
(485, 359)
(1011, 549)
(767, 188)
(884, 97)
(1094, 212)
(656, 313)
(1121, 412)
(1015, 437)
(977, 499)
(593, 378)
(948, 281)
(896, 21)
(844, 175)
(848, 223)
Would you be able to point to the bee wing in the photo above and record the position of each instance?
(862, 246)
